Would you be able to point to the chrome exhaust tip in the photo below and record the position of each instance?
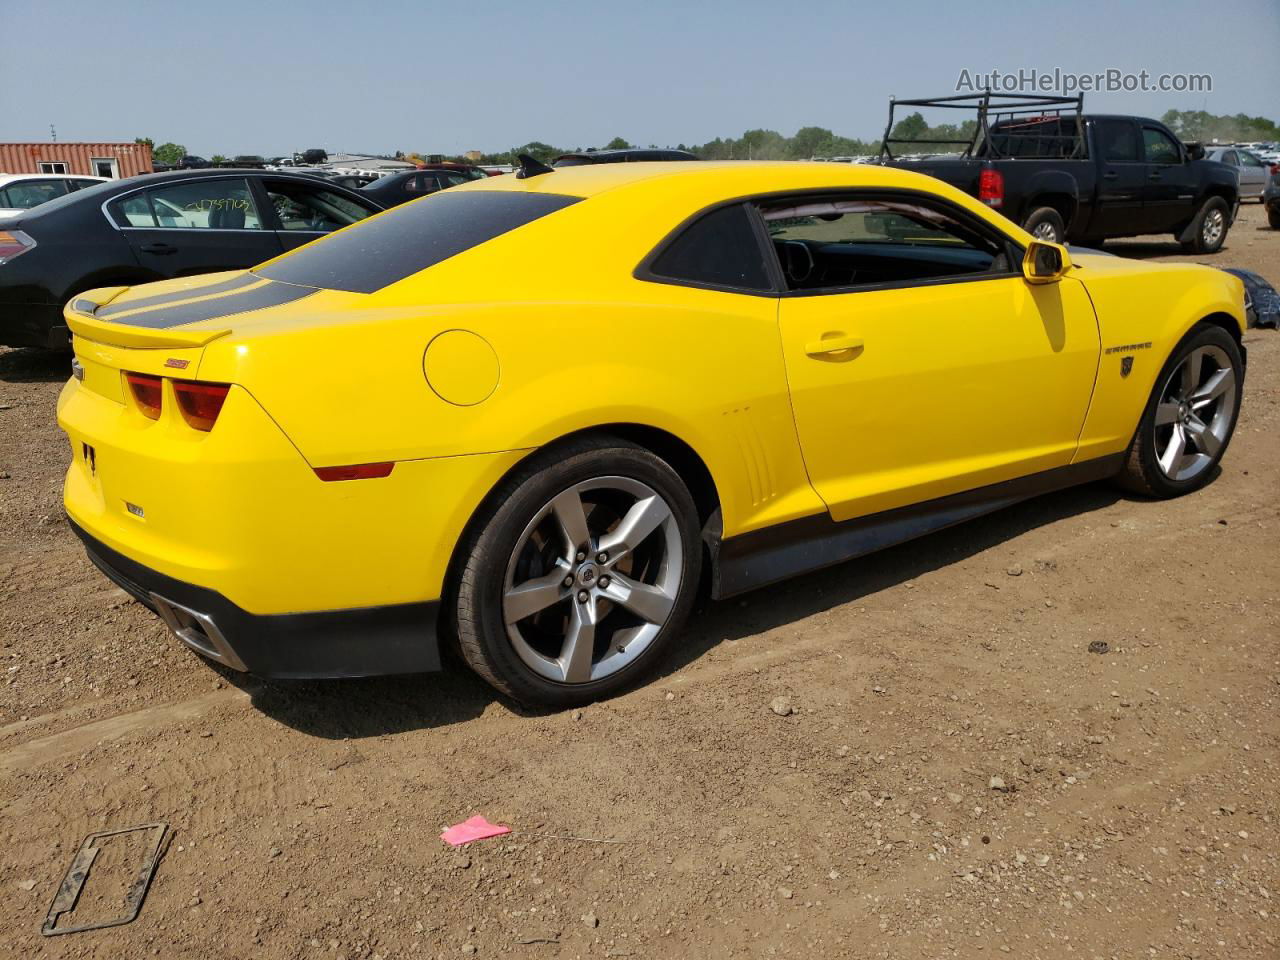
(198, 631)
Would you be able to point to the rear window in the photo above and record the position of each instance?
(410, 238)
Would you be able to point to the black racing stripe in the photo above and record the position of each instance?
(225, 286)
(272, 295)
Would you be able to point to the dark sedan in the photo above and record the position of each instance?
(398, 188)
(155, 227)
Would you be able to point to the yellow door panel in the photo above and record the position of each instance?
(903, 395)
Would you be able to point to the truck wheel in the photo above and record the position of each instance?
(1045, 223)
(1273, 217)
(1209, 228)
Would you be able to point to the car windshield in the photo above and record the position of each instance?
(410, 238)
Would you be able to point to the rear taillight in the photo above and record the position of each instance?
(1275, 169)
(991, 188)
(200, 403)
(14, 243)
(355, 471)
(148, 392)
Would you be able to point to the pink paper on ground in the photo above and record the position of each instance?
(477, 828)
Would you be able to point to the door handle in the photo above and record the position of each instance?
(1111, 175)
(829, 345)
(158, 248)
(1154, 176)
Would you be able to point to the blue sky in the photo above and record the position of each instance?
(230, 76)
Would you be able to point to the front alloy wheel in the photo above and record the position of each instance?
(1195, 414)
(1189, 418)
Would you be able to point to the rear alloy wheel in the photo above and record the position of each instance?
(581, 577)
(1190, 417)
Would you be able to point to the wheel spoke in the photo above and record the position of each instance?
(1218, 384)
(1203, 437)
(526, 599)
(579, 643)
(642, 519)
(1166, 413)
(645, 601)
(1191, 373)
(572, 519)
(1171, 459)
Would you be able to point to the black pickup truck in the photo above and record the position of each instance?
(1064, 175)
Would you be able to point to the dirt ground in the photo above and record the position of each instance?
(959, 777)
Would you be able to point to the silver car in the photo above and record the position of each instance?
(1254, 174)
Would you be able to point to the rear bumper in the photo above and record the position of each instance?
(373, 641)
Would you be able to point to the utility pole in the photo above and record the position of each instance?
(53, 133)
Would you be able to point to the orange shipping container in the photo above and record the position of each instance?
(86, 159)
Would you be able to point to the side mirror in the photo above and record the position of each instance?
(1195, 151)
(1045, 262)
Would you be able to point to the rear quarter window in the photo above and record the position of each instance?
(410, 238)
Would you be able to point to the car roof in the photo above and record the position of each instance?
(710, 179)
(11, 177)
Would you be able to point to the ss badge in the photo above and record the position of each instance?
(1126, 366)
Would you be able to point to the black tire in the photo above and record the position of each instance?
(1273, 217)
(1199, 242)
(1046, 219)
(478, 611)
(1142, 472)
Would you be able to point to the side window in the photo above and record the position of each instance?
(303, 207)
(53, 167)
(1229, 158)
(133, 211)
(454, 179)
(421, 183)
(719, 250)
(31, 193)
(851, 242)
(203, 205)
(81, 184)
(1159, 146)
(1119, 141)
(1247, 159)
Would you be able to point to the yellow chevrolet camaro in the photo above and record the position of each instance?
(528, 414)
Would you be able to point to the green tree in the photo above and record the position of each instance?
(617, 143)
(217, 158)
(146, 141)
(910, 127)
(169, 154)
(811, 142)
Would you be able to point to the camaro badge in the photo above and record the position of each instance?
(177, 364)
(1126, 366)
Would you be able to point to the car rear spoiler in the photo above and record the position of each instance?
(82, 322)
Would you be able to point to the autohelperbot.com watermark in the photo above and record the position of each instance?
(1057, 80)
